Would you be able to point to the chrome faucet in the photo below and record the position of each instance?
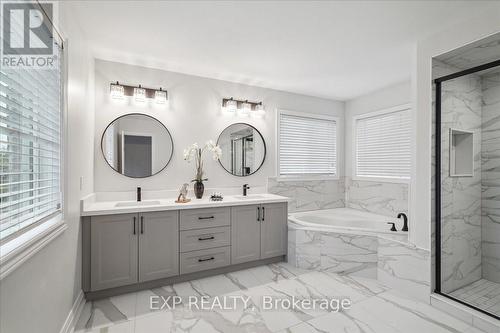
(139, 196)
(245, 188)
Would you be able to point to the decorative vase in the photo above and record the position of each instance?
(199, 188)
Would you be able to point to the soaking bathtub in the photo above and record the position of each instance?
(347, 220)
(340, 240)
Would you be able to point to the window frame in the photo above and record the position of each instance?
(21, 245)
(306, 177)
(354, 175)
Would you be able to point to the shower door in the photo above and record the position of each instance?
(467, 179)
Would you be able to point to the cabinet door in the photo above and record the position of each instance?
(273, 230)
(113, 251)
(158, 245)
(245, 234)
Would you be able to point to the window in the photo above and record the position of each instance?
(30, 147)
(382, 144)
(307, 144)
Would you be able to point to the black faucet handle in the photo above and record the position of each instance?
(393, 228)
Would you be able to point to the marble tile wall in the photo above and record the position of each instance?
(398, 265)
(490, 154)
(333, 252)
(461, 196)
(377, 197)
(404, 267)
(311, 194)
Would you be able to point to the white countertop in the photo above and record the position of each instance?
(93, 208)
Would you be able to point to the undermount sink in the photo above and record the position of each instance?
(137, 203)
(249, 197)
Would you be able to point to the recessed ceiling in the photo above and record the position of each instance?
(337, 50)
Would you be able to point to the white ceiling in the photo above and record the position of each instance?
(338, 50)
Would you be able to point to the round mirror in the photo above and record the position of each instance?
(243, 149)
(137, 145)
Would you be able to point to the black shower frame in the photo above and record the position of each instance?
(437, 239)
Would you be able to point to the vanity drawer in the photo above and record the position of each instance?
(204, 218)
(201, 260)
(199, 239)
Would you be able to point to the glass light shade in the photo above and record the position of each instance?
(246, 108)
(140, 94)
(259, 109)
(231, 105)
(117, 91)
(160, 96)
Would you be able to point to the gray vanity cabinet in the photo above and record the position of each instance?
(113, 251)
(245, 234)
(258, 232)
(124, 252)
(273, 230)
(158, 245)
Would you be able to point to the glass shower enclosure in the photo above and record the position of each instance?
(467, 191)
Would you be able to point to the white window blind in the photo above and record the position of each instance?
(30, 146)
(383, 145)
(307, 145)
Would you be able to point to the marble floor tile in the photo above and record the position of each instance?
(406, 314)
(375, 308)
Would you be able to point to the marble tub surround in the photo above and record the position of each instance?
(309, 194)
(91, 207)
(404, 267)
(375, 308)
(461, 109)
(378, 197)
(490, 199)
(341, 253)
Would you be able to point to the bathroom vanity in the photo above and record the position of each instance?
(129, 246)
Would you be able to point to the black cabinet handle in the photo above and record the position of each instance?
(206, 238)
(258, 213)
(206, 259)
(142, 224)
(263, 213)
(205, 217)
(133, 222)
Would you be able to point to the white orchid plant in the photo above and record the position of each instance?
(196, 152)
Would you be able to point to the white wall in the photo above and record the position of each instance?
(38, 295)
(454, 37)
(390, 96)
(194, 115)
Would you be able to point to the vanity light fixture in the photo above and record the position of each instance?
(139, 94)
(230, 104)
(116, 90)
(160, 96)
(259, 109)
(244, 107)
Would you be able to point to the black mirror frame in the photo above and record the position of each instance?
(138, 114)
(263, 141)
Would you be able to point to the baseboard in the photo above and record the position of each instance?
(74, 314)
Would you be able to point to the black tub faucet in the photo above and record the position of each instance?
(139, 196)
(405, 221)
(245, 188)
